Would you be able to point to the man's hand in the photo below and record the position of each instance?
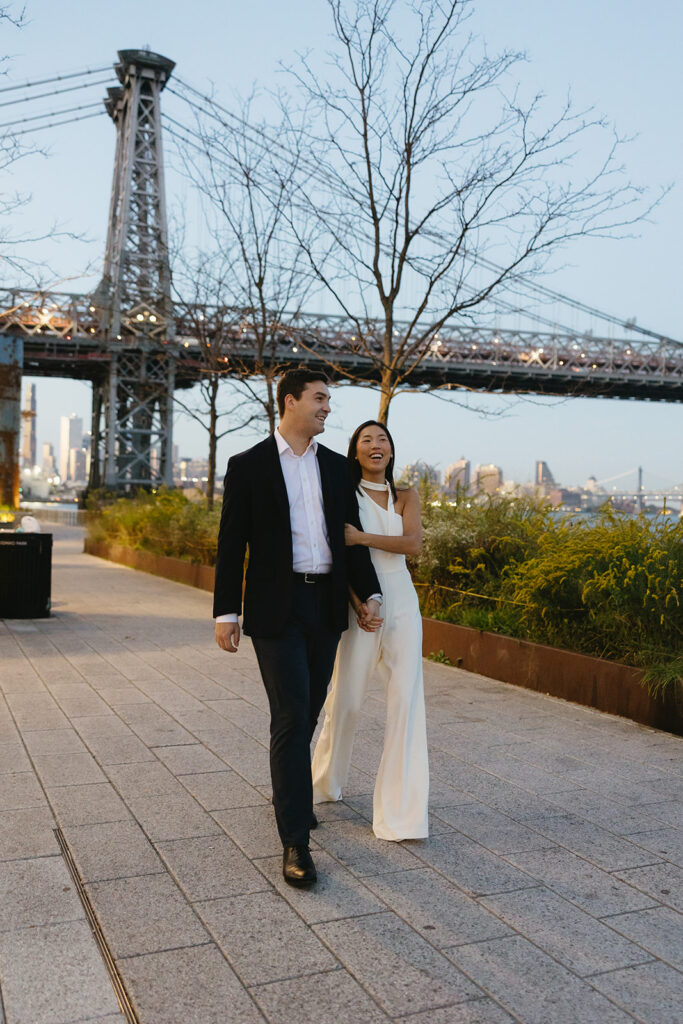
(228, 636)
(368, 616)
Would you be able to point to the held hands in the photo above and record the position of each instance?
(228, 636)
(368, 615)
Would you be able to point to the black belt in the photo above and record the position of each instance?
(312, 577)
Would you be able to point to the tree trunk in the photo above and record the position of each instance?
(213, 419)
(270, 406)
(385, 396)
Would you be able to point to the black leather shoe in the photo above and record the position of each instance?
(314, 822)
(298, 868)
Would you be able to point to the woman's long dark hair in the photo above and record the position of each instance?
(354, 464)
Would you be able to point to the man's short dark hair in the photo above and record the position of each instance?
(294, 381)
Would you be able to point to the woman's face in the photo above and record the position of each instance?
(373, 449)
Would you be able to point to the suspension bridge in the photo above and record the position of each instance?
(136, 346)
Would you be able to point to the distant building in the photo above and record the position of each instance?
(457, 475)
(70, 437)
(29, 453)
(419, 473)
(77, 466)
(49, 466)
(544, 478)
(488, 479)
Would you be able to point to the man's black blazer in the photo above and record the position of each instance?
(256, 514)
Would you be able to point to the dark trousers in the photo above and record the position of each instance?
(296, 667)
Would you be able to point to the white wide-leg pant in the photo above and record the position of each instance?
(402, 786)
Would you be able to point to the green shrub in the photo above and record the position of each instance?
(609, 586)
(166, 523)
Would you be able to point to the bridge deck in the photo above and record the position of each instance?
(547, 892)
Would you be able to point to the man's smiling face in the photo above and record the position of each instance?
(312, 409)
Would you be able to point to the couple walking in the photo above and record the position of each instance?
(327, 539)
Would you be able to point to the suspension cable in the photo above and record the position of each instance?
(53, 113)
(56, 78)
(55, 92)
(55, 124)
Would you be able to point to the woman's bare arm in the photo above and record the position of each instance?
(408, 544)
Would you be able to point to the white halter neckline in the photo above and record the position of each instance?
(372, 486)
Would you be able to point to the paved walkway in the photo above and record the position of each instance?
(548, 891)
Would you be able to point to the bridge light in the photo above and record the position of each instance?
(91, 309)
(139, 317)
(152, 318)
(92, 330)
(187, 344)
(628, 351)
(294, 348)
(118, 337)
(561, 362)
(595, 366)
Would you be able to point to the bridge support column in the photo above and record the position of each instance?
(11, 361)
(139, 420)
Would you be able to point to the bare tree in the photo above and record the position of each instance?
(263, 274)
(433, 181)
(209, 329)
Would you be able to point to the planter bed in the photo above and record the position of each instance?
(596, 683)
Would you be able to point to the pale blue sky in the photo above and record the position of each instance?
(620, 55)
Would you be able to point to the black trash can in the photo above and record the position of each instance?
(25, 575)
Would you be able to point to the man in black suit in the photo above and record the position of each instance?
(287, 499)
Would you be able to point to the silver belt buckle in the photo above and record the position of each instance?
(306, 579)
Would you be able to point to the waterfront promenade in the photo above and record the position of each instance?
(549, 891)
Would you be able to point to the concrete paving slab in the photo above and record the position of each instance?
(568, 934)
(652, 992)
(435, 908)
(119, 750)
(492, 829)
(21, 789)
(211, 867)
(221, 790)
(13, 758)
(187, 986)
(481, 1011)
(470, 866)
(37, 892)
(27, 832)
(401, 971)
(337, 894)
(581, 882)
(532, 986)
(355, 846)
(263, 939)
(189, 758)
(87, 805)
(55, 741)
(144, 914)
(663, 882)
(318, 999)
(595, 844)
(53, 974)
(68, 769)
(115, 849)
(172, 816)
(666, 843)
(252, 828)
(659, 931)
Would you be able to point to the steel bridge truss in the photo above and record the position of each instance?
(67, 329)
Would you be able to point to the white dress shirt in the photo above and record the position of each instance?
(310, 544)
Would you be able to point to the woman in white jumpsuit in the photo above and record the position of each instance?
(391, 645)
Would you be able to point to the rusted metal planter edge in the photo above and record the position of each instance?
(176, 569)
(596, 683)
(593, 682)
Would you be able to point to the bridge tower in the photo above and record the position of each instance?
(132, 416)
